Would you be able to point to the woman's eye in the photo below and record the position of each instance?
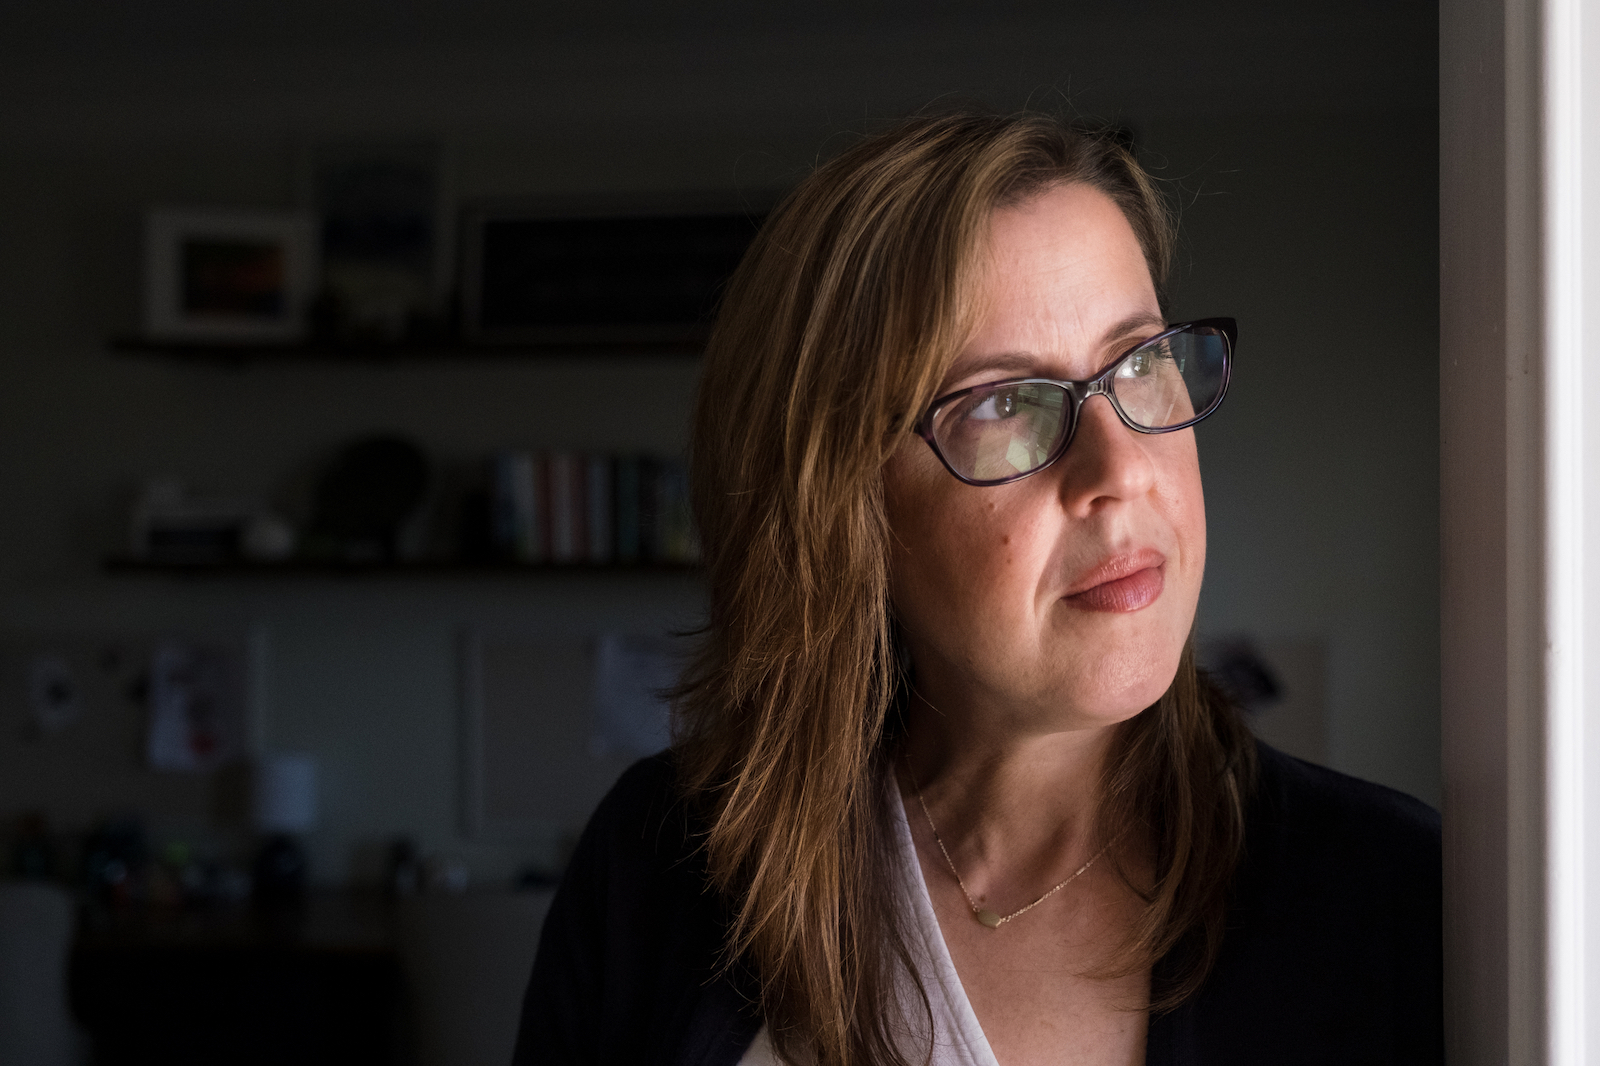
(994, 407)
(1138, 365)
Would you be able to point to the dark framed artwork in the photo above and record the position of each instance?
(537, 273)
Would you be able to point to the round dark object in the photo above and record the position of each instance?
(369, 491)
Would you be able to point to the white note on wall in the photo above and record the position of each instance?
(631, 714)
(197, 720)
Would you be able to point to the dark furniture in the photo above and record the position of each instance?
(315, 984)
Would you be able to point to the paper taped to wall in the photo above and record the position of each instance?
(197, 720)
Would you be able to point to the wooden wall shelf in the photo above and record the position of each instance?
(125, 565)
(441, 351)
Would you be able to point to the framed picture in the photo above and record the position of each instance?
(588, 275)
(385, 252)
(229, 275)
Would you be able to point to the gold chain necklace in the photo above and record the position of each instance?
(984, 915)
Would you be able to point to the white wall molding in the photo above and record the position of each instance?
(1520, 512)
(1570, 105)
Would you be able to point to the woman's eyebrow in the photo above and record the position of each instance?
(1131, 325)
(1023, 363)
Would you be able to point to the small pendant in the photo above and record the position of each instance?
(989, 918)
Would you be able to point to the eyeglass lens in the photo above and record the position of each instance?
(1005, 431)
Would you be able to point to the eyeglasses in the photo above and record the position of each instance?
(1005, 430)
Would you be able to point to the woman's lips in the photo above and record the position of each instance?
(1122, 583)
(1139, 589)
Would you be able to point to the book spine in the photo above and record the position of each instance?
(518, 520)
(519, 491)
(598, 497)
(626, 510)
(578, 484)
(672, 503)
(671, 522)
(650, 510)
(566, 516)
(533, 536)
(502, 530)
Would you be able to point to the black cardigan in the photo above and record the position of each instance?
(1332, 953)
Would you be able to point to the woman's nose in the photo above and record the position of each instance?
(1106, 461)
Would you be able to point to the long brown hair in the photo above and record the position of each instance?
(833, 335)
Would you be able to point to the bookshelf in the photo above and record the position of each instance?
(124, 565)
(403, 352)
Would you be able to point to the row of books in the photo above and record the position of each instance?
(568, 507)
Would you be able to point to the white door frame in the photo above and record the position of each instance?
(1520, 503)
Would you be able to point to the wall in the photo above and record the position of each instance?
(1310, 214)
(1321, 469)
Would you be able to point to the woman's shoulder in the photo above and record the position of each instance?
(1312, 791)
(1333, 951)
(642, 849)
(1294, 794)
(642, 803)
(630, 963)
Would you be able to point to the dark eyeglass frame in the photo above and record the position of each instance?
(1080, 391)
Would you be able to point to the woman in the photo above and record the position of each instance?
(948, 786)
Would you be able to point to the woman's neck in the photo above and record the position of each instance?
(1013, 808)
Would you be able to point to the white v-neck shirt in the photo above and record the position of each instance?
(958, 1039)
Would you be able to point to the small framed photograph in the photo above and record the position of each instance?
(229, 275)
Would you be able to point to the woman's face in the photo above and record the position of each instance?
(1061, 601)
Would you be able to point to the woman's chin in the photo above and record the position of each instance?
(1049, 712)
(1105, 701)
